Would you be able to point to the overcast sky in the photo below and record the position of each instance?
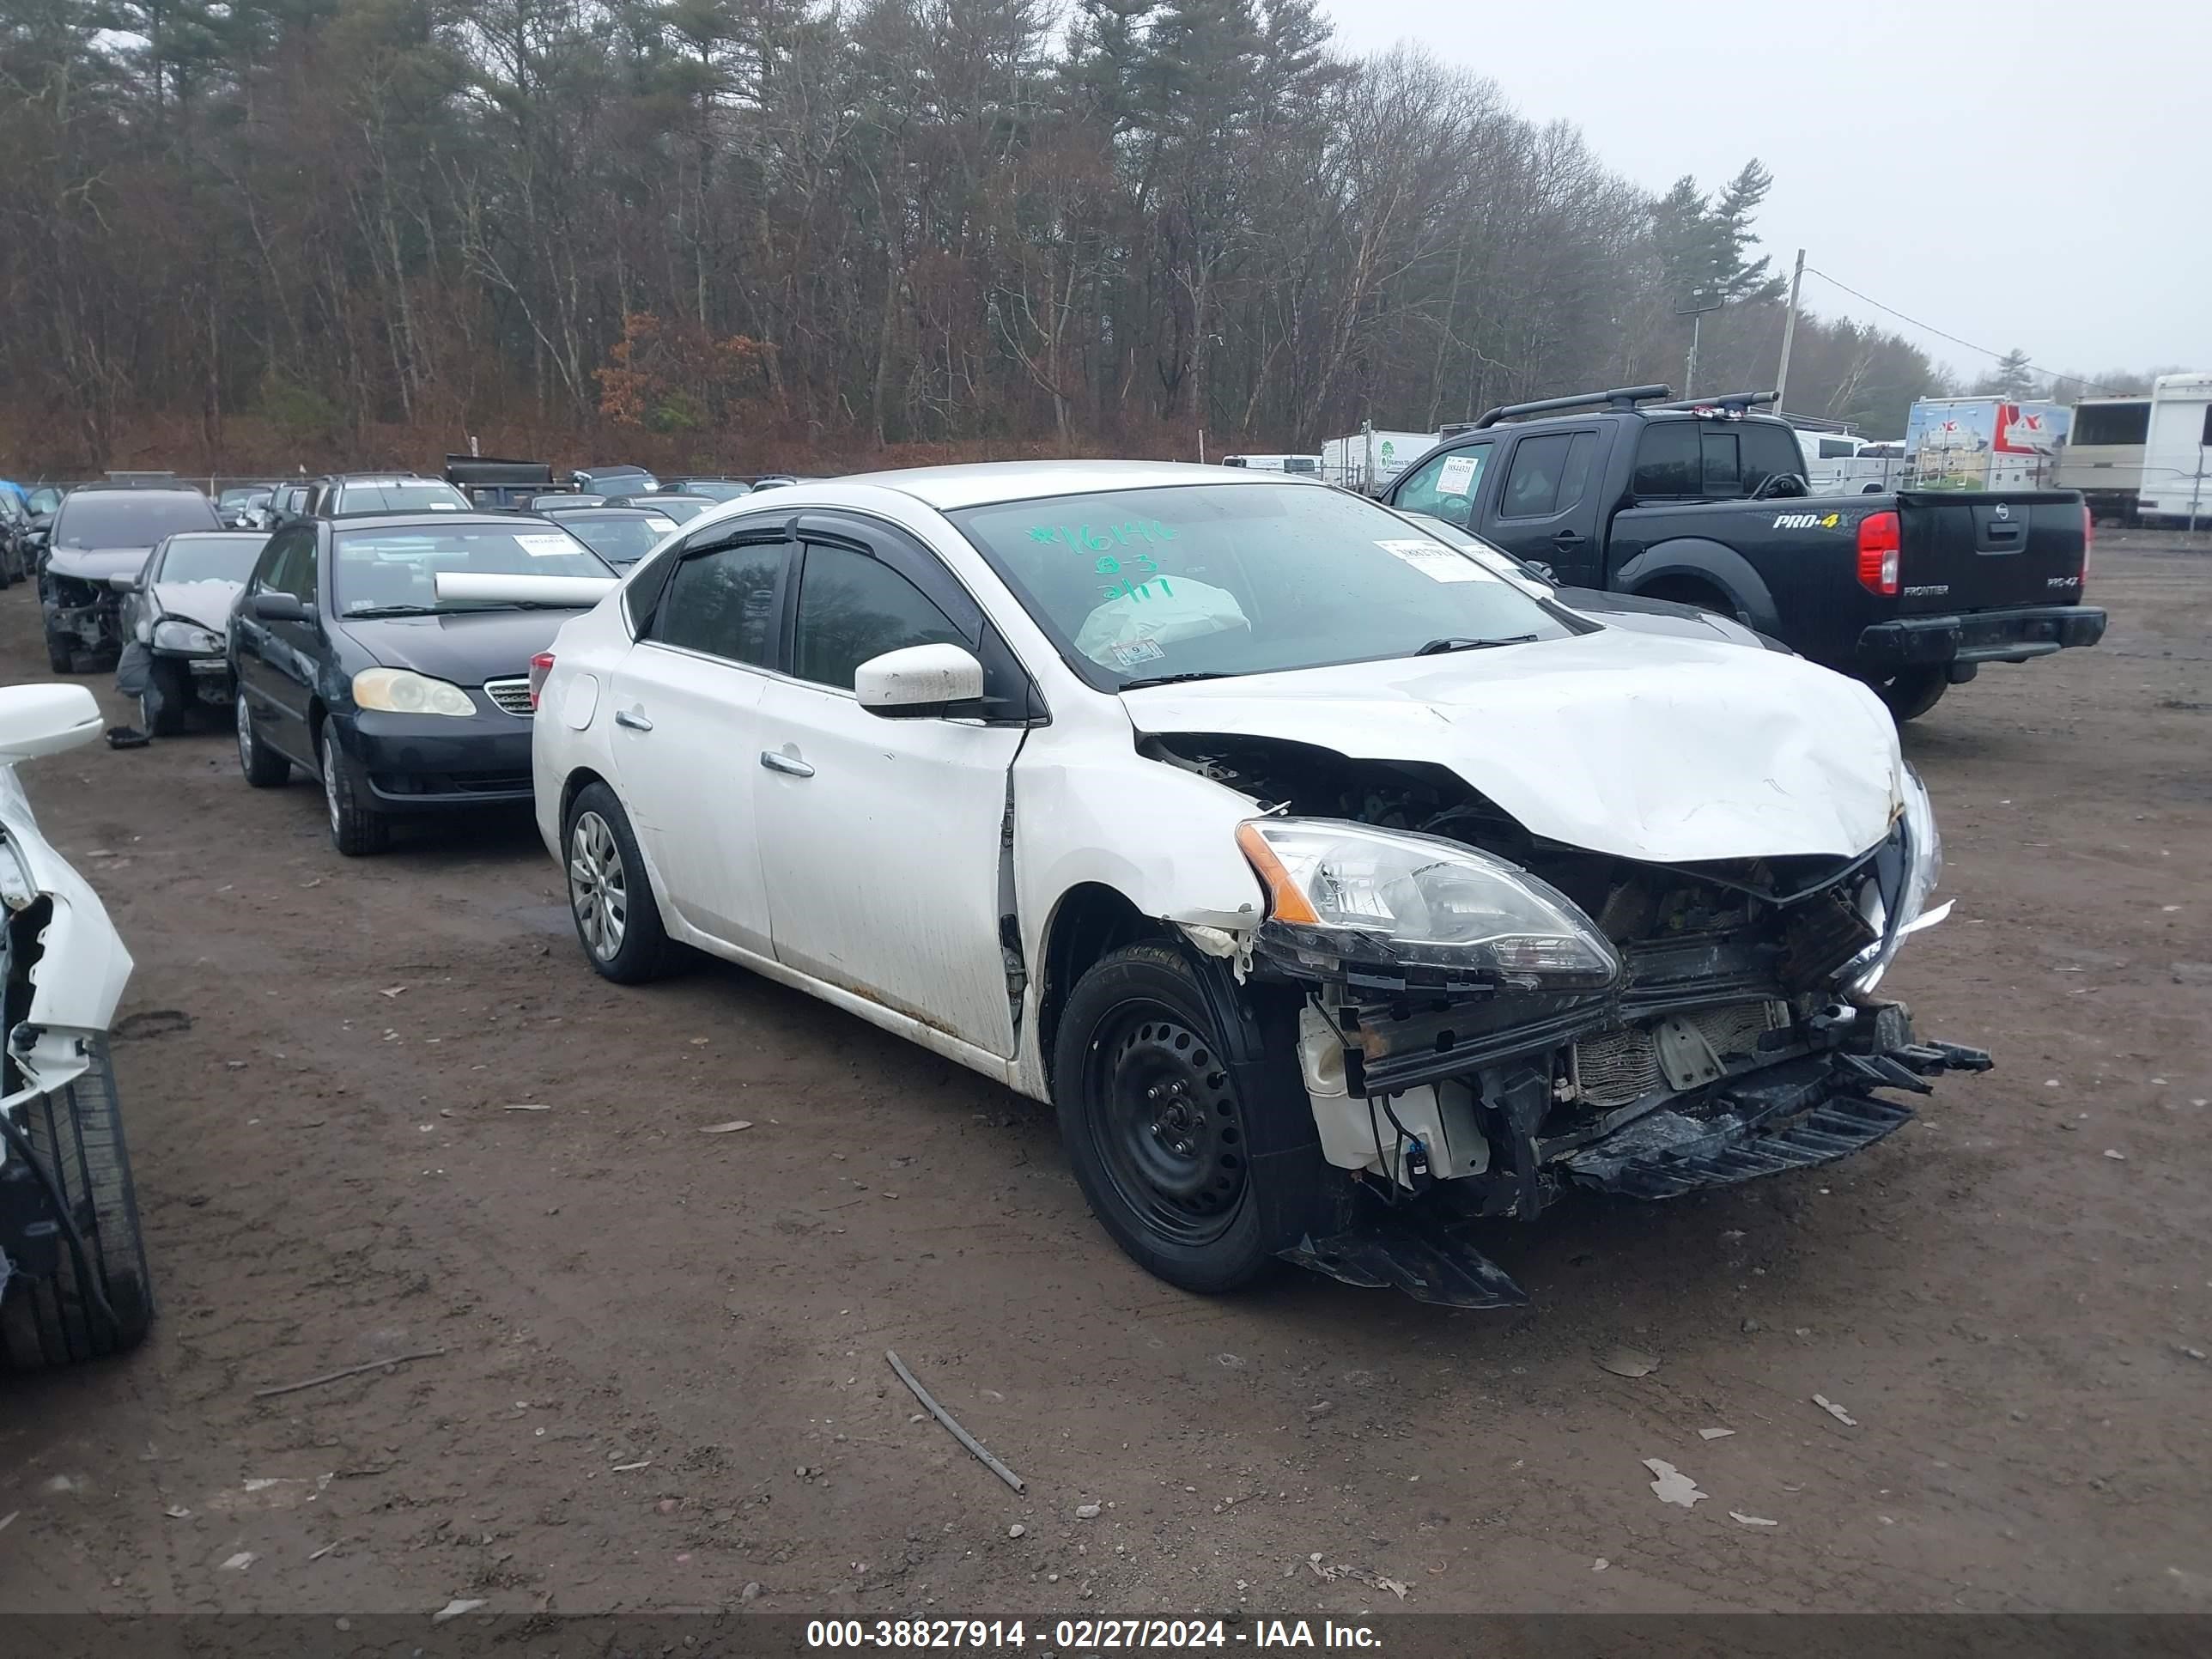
(2017, 172)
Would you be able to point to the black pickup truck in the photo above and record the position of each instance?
(1705, 502)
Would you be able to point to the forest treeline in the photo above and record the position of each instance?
(263, 230)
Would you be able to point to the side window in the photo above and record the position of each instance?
(2206, 437)
(1767, 451)
(722, 603)
(853, 607)
(1667, 460)
(1446, 486)
(268, 573)
(300, 570)
(1533, 476)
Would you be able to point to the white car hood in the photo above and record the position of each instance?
(1666, 751)
(208, 603)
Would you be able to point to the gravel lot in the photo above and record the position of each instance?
(649, 1332)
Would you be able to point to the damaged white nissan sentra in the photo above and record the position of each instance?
(1335, 886)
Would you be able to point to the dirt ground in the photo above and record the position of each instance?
(648, 1333)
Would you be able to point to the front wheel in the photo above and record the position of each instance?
(61, 654)
(357, 829)
(1200, 1184)
(162, 704)
(99, 1302)
(1914, 692)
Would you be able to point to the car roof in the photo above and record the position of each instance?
(218, 536)
(606, 510)
(947, 488)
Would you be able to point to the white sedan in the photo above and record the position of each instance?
(1330, 882)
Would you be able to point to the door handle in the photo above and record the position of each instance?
(1567, 538)
(789, 765)
(633, 719)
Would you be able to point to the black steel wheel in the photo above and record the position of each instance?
(1194, 1143)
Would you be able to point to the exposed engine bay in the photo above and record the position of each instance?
(1490, 1018)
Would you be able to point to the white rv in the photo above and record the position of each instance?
(2177, 463)
(2103, 456)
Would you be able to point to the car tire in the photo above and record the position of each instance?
(357, 829)
(1912, 693)
(75, 1135)
(610, 895)
(264, 768)
(61, 654)
(1153, 1100)
(163, 705)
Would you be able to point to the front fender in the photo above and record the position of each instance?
(1708, 561)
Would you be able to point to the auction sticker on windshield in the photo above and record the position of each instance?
(1436, 561)
(1457, 474)
(547, 547)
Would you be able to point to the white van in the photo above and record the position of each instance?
(2176, 466)
(1826, 457)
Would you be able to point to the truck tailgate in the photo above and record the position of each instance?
(1974, 551)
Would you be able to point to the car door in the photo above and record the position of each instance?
(883, 838)
(686, 738)
(1546, 510)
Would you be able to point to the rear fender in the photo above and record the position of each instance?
(1708, 563)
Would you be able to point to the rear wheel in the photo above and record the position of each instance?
(104, 1304)
(1160, 1131)
(357, 829)
(609, 896)
(1913, 692)
(264, 768)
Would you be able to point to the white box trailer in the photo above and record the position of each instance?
(2104, 455)
(2176, 466)
(1366, 461)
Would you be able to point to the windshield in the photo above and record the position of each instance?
(716, 489)
(211, 558)
(621, 541)
(401, 495)
(45, 499)
(393, 571)
(1203, 580)
(124, 518)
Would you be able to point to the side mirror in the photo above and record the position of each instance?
(1541, 571)
(922, 682)
(278, 607)
(45, 720)
(124, 581)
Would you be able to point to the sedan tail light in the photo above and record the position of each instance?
(1878, 554)
(540, 666)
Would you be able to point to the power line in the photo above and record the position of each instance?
(1941, 334)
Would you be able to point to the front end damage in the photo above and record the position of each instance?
(1491, 1019)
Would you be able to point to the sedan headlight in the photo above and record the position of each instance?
(1422, 899)
(1923, 868)
(172, 635)
(402, 691)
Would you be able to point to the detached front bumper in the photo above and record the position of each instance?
(1977, 637)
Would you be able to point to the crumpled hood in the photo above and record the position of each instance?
(208, 603)
(1664, 750)
(96, 564)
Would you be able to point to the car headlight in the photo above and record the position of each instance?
(172, 635)
(1923, 868)
(402, 691)
(1421, 899)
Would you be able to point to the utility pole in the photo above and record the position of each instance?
(1788, 331)
(1695, 308)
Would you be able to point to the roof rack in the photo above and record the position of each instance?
(1741, 402)
(1624, 398)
